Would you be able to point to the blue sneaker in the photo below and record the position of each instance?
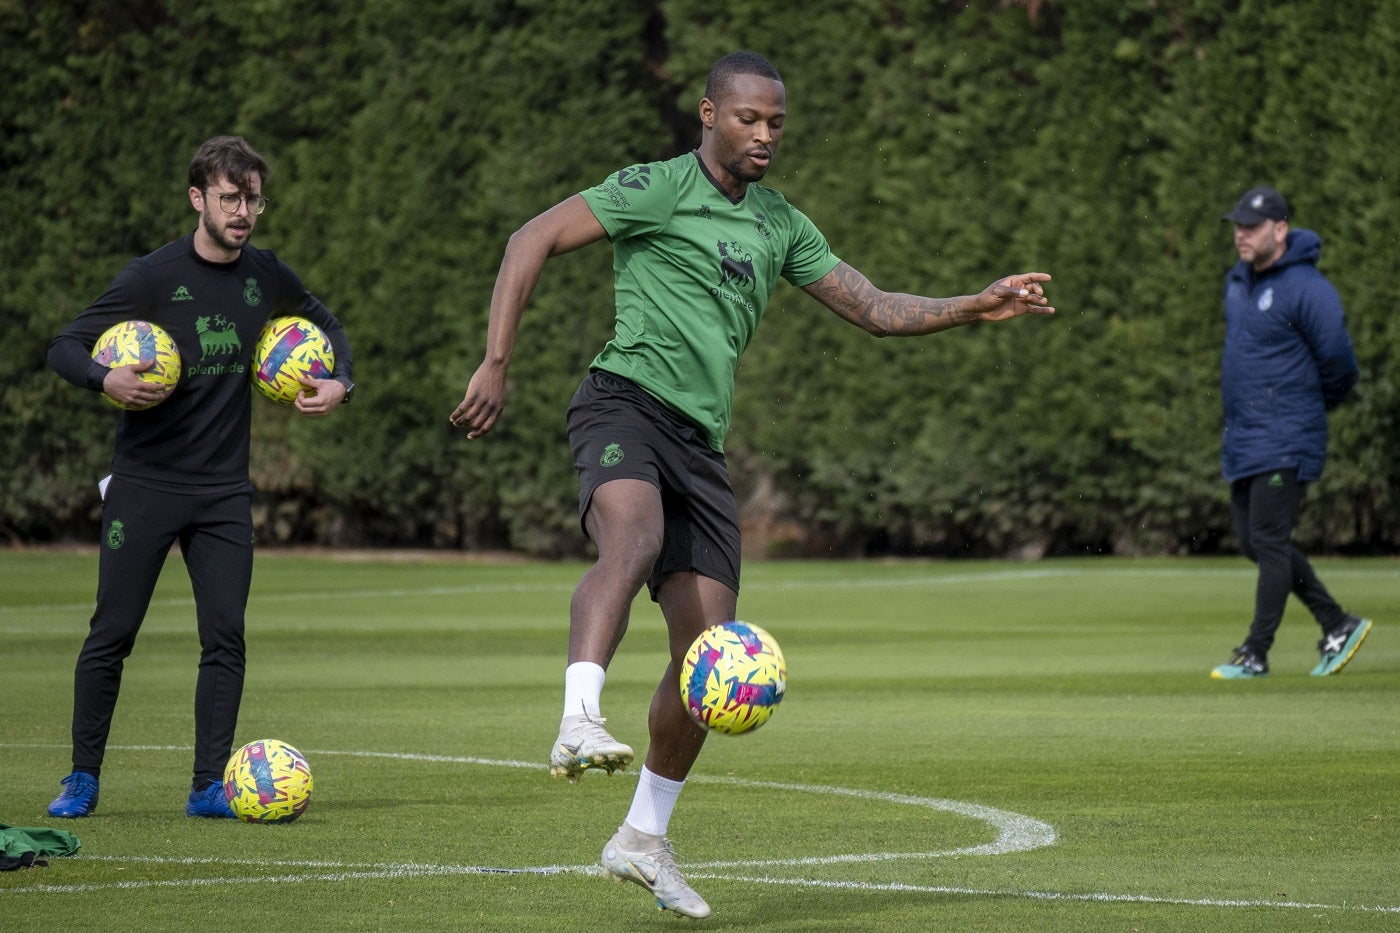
(79, 797)
(209, 802)
(1244, 665)
(1339, 646)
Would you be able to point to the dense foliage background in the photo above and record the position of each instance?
(939, 145)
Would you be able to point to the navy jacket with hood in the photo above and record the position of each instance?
(1288, 361)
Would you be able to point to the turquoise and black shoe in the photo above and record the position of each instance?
(1243, 666)
(1338, 647)
(79, 797)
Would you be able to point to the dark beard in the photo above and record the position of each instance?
(747, 177)
(219, 237)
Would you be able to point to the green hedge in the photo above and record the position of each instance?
(937, 145)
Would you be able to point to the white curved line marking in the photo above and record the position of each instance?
(1016, 833)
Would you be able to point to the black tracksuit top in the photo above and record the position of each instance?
(199, 436)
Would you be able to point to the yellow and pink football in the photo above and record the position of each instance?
(133, 342)
(733, 677)
(288, 350)
(267, 781)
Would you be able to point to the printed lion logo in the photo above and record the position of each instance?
(216, 337)
(735, 264)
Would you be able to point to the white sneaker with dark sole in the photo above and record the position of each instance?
(583, 743)
(649, 861)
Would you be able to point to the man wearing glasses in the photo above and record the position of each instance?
(179, 469)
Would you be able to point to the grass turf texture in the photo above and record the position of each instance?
(425, 693)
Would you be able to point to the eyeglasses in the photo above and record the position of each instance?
(229, 202)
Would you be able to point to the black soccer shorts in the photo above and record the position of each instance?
(617, 430)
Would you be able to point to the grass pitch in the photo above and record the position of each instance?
(979, 746)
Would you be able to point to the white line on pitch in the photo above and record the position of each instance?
(829, 583)
(373, 872)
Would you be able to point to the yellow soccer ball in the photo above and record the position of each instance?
(133, 342)
(267, 781)
(733, 677)
(289, 349)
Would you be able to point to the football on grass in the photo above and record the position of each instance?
(132, 342)
(267, 781)
(733, 677)
(288, 350)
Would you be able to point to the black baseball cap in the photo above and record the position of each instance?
(1258, 205)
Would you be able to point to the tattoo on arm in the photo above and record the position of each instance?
(851, 295)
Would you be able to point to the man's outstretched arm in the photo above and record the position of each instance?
(850, 295)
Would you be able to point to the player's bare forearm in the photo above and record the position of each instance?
(851, 295)
(563, 228)
(898, 314)
(567, 226)
(486, 392)
(848, 293)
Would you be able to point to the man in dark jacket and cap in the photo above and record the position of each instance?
(1288, 361)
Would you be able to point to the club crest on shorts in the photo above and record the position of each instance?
(612, 455)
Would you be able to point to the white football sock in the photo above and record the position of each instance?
(583, 689)
(653, 802)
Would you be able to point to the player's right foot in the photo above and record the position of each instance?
(79, 797)
(1243, 665)
(648, 861)
(583, 743)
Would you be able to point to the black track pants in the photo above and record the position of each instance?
(139, 525)
(1265, 508)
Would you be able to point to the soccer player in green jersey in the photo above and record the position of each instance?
(698, 247)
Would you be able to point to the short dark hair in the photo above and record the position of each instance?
(227, 157)
(729, 67)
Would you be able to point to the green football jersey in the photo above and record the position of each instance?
(693, 272)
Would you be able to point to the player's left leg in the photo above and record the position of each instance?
(640, 852)
(218, 551)
(1342, 633)
(690, 603)
(696, 584)
(1306, 586)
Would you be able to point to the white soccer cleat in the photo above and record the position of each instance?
(649, 861)
(583, 743)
